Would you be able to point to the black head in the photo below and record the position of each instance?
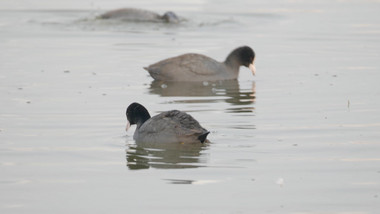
(246, 55)
(242, 56)
(137, 114)
(170, 17)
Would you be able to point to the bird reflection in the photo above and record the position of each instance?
(165, 156)
(229, 91)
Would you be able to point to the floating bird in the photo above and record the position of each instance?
(197, 67)
(167, 127)
(139, 15)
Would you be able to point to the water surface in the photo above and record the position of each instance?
(300, 137)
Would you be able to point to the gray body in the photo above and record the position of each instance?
(139, 15)
(169, 127)
(193, 67)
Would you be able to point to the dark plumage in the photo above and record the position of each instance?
(197, 67)
(166, 127)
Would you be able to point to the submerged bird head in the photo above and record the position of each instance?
(136, 114)
(170, 17)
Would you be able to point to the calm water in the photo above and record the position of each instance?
(300, 137)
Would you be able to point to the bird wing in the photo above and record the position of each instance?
(199, 64)
(173, 121)
(185, 66)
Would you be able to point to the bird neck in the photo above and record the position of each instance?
(232, 61)
(144, 116)
(232, 65)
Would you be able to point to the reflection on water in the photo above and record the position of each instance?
(195, 182)
(165, 156)
(227, 91)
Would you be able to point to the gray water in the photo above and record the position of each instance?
(302, 136)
